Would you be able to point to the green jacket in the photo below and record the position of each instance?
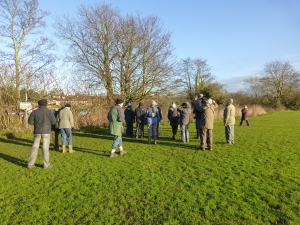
(116, 117)
(229, 115)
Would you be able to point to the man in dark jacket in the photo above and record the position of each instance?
(55, 132)
(129, 119)
(42, 119)
(160, 116)
(139, 118)
(199, 101)
(244, 116)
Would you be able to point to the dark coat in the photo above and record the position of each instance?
(173, 116)
(185, 113)
(42, 119)
(244, 114)
(129, 115)
(140, 114)
(159, 112)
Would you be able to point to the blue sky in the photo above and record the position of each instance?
(236, 37)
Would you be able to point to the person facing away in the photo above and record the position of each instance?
(207, 109)
(199, 100)
(184, 121)
(152, 116)
(160, 118)
(116, 117)
(129, 119)
(55, 131)
(173, 116)
(139, 118)
(229, 121)
(66, 123)
(42, 120)
(244, 116)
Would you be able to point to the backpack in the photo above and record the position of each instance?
(151, 113)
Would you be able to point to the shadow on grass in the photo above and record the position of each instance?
(101, 152)
(14, 160)
(17, 141)
(102, 133)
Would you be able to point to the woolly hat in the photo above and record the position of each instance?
(129, 105)
(209, 101)
(43, 102)
(119, 101)
(141, 104)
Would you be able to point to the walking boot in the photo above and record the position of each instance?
(64, 150)
(155, 142)
(71, 149)
(149, 139)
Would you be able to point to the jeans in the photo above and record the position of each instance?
(152, 129)
(35, 148)
(117, 142)
(229, 133)
(66, 133)
(185, 136)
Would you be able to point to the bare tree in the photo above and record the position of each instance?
(91, 42)
(21, 23)
(256, 87)
(145, 60)
(279, 80)
(129, 56)
(196, 77)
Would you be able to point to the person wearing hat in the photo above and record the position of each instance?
(206, 125)
(229, 121)
(139, 118)
(129, 119)
(116, 117)
(66, 123)
(42, 120)
(244, 116)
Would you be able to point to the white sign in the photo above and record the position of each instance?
(25, 105)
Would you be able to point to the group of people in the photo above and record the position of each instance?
(44, 121)
(61, 121)
(116, 116)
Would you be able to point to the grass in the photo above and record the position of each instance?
(254, 181)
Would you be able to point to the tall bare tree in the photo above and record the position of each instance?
(129, 56)
(145, 61)
(21, 28)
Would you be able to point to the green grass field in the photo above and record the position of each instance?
(254, 181)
